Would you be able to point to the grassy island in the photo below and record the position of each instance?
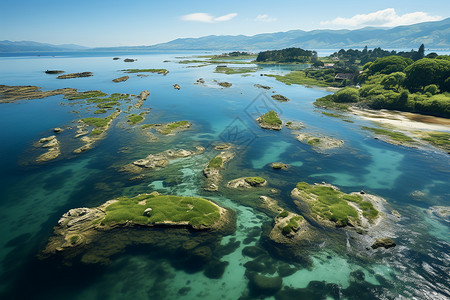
(150, 209)
(158, 71)
(235, 70)
(394, 135)
(215, 163)
(333, 205)
(271, 118)
(135, 119)
(255, 181)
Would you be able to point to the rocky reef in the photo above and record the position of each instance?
(51, 143)
(169, 128)
(94, 234)
(319, 143)
(15, 93)
(262, 86)
(225, 84)
(247, 183)
(53, 72)
(98, 132)
(212, 170)
(159, 160)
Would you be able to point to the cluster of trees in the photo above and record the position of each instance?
(364, 56)
(287, 55)
(396, 82)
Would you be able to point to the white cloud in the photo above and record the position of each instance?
(207, 18)
(265, 18)
(384, 18)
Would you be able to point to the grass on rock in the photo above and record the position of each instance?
(192, 210)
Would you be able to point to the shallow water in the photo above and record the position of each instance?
(33, 197)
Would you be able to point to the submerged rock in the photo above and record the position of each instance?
(264, 285)
(294, 125)
(279, 166)
(52, 144)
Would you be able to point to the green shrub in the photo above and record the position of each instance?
(432, 89)
(215, 163)
(347, 95)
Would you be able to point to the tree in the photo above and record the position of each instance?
(393, 81)
(347, 95)
(427, 71)
(389, 64)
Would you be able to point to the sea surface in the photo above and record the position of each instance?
(34, 196)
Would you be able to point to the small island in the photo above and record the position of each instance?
(270, 120)
(89, 230)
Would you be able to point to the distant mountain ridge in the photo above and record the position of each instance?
(432, 34)
(435, 35)
(25, 46)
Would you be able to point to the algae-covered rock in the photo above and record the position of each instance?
(264, 285)
(319, 143)
(247, 182)
(120, 79)
(383, 242)
(280, 98)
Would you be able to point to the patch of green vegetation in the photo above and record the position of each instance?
(396, 136)
(192, 210)
(328, 114)
(215, 163)
(97, 122)
(255, 180)
(333, 205)
(438, 139)
(107, 104)
(159, 71)
(100, 111)
(229, 71)
(328, 103)
(271, 118)
(299, 77)
(173, 125)
(280, 98)
(147, 126)
(87, 95)
(74, 239)
(134, 119)
(314, 141)
(283, 214)
(287, 229)
(96, 132)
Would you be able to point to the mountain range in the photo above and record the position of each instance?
(435, 35)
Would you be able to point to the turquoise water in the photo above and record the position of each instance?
(33, 197)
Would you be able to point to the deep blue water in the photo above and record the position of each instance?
(34, 197)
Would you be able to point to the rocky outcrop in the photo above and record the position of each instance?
(262, 86)
(280, 98)
(171, 128)
(57, 130)
(383, 242)
(213, 168)
(141, 98)
(120, 79)
(52, 144)
(75, 75)
(159, 160)
(319, 143)
(200, 81)
(129, 60)
(97, 133)
(247, 183)
(294, 125)
(54, 72)
(225, 84)
(279, 166)
(176, 86)
(116, 58)
(15, 93)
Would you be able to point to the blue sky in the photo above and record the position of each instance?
(96, 23)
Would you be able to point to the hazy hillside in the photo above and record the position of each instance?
(24, 46)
